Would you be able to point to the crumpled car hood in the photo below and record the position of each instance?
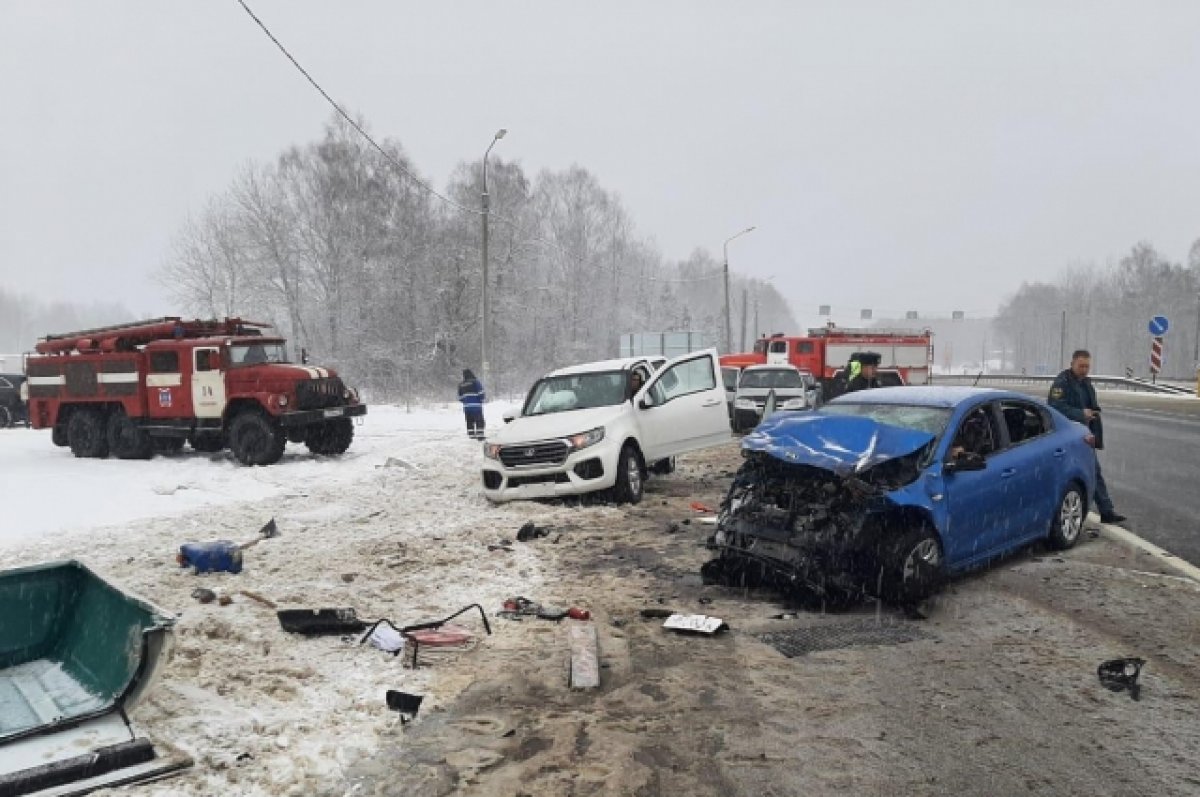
(843, 444)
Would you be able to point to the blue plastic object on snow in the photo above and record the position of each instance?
(219, 556)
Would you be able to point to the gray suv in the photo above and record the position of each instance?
(794, 390)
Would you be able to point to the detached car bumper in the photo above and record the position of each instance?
(309, 417)
(585, 471)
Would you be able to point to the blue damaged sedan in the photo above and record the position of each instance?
(887, 492)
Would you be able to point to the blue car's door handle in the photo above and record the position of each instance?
(1004, 474)
(1059, 453)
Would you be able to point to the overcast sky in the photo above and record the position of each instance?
(895, 155)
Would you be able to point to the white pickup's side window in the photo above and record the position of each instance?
(690, 376)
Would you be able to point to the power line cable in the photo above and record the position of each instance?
(405, 171)
(387, 155)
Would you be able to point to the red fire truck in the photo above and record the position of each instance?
(134, 389)
(826, 351)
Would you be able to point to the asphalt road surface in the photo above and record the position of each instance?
(1151, 461)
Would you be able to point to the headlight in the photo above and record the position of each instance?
(745, 404)
(585, 439)
(491, 450)
(282, 401)
(795, 404)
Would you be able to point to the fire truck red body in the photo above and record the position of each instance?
(826, 350)
(134, 389)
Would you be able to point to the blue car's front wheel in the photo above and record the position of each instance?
(1067, 525)
(911, 567)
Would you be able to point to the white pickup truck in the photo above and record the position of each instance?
(606, 426)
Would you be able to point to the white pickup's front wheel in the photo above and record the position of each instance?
(629, 486)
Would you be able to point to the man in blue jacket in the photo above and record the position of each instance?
(470, 393)
(1073, 395)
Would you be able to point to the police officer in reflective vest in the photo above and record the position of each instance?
(1073, 395)
(470, 393)
(864, 376)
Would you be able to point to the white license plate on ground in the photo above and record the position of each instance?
(543, 490)
(334, 413)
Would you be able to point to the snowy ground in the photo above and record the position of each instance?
(264, 712)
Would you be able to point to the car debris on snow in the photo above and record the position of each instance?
(695, 624)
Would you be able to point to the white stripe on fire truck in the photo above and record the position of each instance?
(47, 380)
(117, 379)
(164, 380)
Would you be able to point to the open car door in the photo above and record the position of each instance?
(682, 407)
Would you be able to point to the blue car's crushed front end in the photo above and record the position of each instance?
(816, 499)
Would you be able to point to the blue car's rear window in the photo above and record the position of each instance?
(924, 419)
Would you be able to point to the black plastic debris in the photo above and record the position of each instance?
(531, 531)
(315, 622)
(1119, 675)
(408, 705)
(204, 595)
(656, 614)
(269, 530)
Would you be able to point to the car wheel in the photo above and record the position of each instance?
(1067, 524)
(330, 439)
(255, 439)
(58, 435)
(86, 434)
(126, 440)
(628, 489)
(912, 567)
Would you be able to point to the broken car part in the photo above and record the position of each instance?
(1119, 675)
(76, 653)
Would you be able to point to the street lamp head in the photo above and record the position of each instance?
(501, 133)
(751, 229)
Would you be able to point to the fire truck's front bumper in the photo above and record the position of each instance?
(309, 417)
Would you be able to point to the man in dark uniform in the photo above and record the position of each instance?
(866, 378)
(470, 393)
(1073, 395)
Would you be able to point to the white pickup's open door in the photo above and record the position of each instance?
(682, 407)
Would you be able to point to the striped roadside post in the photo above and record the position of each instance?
(1158, 330)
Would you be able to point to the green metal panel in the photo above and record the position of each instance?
(72, 645)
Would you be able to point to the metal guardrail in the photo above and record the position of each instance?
(1108, 382)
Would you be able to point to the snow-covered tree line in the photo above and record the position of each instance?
(374, 275)
(1107, 311)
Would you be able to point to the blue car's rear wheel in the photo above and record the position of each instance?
(1067, 524)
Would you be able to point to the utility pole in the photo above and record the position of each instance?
(485, 309)
(745, 318)
(1062, 342)
(728, 324)
(756, 327)
(1196, 353)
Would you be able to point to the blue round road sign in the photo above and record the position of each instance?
(1159, 325)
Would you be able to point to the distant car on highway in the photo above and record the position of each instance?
(888, 491)
(585, 429)
(13, 402)
(794, 390)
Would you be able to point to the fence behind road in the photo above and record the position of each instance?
(1104, 382)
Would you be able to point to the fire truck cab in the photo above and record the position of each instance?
(134, 389)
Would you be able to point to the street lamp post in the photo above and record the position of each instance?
(728, 323)
(485, 309)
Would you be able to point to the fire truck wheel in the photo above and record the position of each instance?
(85, 433)
(6, 417)
(330, 439)
(126, 440)
(256, 440)
(208, 443)
(58, 435)
(168, 445)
